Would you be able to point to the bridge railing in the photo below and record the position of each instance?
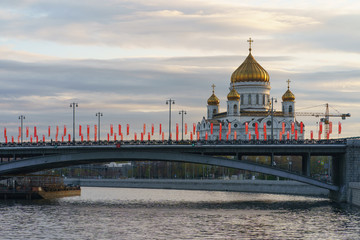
(185, 142)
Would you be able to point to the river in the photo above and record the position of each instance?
(116, 213)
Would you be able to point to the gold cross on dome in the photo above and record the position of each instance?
(250, 41)
(288, 82)
(213, 87)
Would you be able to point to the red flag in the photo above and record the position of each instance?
(288, 135)
(301, 127)
(114, 136)
(69, 136)
(144, 130)
(320, 128)
(142, 136)
(19, 131)
(257, 135)
(37, 138)
(296, 135)
(330, 127)
(220, 131)
(122, 137)
(327, 136)
(135, 137)
(283, 128)
(162, 135)
(56, 138)
(229, 128)
(82, 138)
(249, 136)
(206, 136)
(152, 129)
(111, 130)
(265, 131)
(31, 139)
(211, 128)
(339, 128)
(120, 130)
(5, 132)
(280, 136)
(256, 128)
(88, 131)
(160, 129)
(80, 130)
(311, 135)
(246, 128)
(49, 131)
(95, 133)
(198, 135)
(57, 130)
(292, 127)
(177, 132)
(148, 136)
(27, 132)
(235, 135)
(194, 128)
(191, 136)
(108, 137)
(35, 132)
(64, 130)
(185, 128)
(127, 129)
(43, 137)
(62, 138)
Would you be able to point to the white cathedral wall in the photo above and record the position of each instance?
(253, 88)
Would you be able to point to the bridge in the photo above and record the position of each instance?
(28, 158)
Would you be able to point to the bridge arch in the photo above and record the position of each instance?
(35, 164)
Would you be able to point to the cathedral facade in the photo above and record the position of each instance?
(250, 113)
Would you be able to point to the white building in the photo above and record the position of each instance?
(249, 112)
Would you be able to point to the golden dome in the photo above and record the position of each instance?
(233, 95)
(250, 71)
(288, 95)
(213, 100)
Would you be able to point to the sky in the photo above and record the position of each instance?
(126, 58)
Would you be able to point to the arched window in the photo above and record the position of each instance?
(214, 111)
(264, 99)
(290, 109)
(242, 99)
(235, 109)
(249, 99)
(257, 98)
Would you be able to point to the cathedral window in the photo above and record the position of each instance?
(249, 99)
(241, 99)
(257, 98)
(264, 99)
(235, 109)
(214, 111)
(290, 109)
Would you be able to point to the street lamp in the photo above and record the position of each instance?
(21, 117)
(170, 101)
(182, 112)
(73, 105)
(99, 114)
(272, 117)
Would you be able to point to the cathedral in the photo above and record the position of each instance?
(250, 114)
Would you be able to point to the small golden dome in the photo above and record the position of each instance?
(288, 95)
(233, 95)
(213, 100)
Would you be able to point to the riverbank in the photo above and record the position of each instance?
(254, 186)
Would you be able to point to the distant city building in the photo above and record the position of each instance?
(249, 111)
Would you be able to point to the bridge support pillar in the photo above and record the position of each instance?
(272, 158)
(346, 173)
(306, 164)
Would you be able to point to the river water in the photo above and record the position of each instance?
(116, 213)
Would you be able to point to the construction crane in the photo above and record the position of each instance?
(326, 117)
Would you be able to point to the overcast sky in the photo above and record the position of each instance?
(126, 58)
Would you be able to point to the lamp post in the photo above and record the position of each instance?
(182, 112)
(99, 114)
(272, 117)
(170, 101)
(21, 117)
(73, 105)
